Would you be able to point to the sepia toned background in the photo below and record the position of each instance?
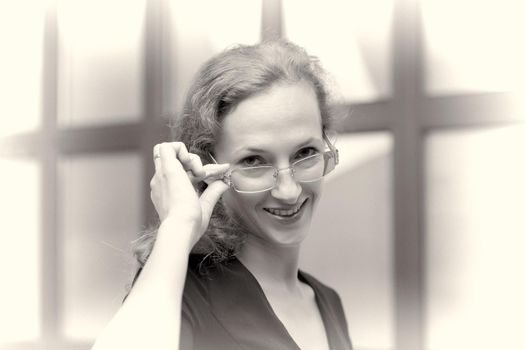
(421, 229)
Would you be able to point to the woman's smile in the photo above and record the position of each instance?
(287, 212)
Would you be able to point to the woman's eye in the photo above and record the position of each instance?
(252, 161)
(306, 152)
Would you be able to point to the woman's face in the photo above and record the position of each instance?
(276, 127)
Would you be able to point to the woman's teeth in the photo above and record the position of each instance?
(282, 212)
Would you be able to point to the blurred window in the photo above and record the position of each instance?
(474, 46)
(195, 32)
(21, 210)
(100, 61)
(101, 209)
(475, 239)
(85, 197)
(351, 39)
(21, 65)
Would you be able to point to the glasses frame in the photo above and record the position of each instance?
(330, 158)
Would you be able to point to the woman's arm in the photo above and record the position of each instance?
(151, 315)
(150, 318)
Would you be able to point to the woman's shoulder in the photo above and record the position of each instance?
(212, 288)
(199, 271)
(202, 267)
(203, 273)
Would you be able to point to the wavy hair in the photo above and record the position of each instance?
(221, 84)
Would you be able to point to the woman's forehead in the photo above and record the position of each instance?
(270, 139)
(284, 114)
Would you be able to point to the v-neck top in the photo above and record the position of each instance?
(225, 308)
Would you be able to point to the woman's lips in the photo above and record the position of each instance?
(288, 212)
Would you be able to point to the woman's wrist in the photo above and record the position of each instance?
(173, 245)
(177, 234)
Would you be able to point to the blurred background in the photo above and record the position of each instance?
(421, 228)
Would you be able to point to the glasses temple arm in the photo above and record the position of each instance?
(334, 150)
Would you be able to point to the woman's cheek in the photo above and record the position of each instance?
(240, 204)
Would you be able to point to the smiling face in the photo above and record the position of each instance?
(276, 127)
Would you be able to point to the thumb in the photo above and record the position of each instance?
(209, 198)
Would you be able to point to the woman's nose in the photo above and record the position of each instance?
(286, 189)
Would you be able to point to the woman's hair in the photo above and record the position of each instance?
(221, 84)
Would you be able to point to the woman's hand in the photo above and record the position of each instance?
(172, 187)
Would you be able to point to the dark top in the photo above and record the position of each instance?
(224, 308)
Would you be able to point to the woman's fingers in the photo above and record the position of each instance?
(156, 158)
(215, 172)
(216, 187)
(190, 161)
(177, 181)
(194, 166)
(212, 172)
(209, 198)
(172, 187)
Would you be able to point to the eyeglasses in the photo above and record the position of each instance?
(263, 178)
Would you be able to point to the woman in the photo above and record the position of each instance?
(257, 117)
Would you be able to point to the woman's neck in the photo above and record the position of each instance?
(275, 268)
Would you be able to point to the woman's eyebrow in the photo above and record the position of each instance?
(249, 150)
(260, 150)
(309, 141)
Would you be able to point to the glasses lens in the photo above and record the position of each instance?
(253, 179)
(309, 169)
